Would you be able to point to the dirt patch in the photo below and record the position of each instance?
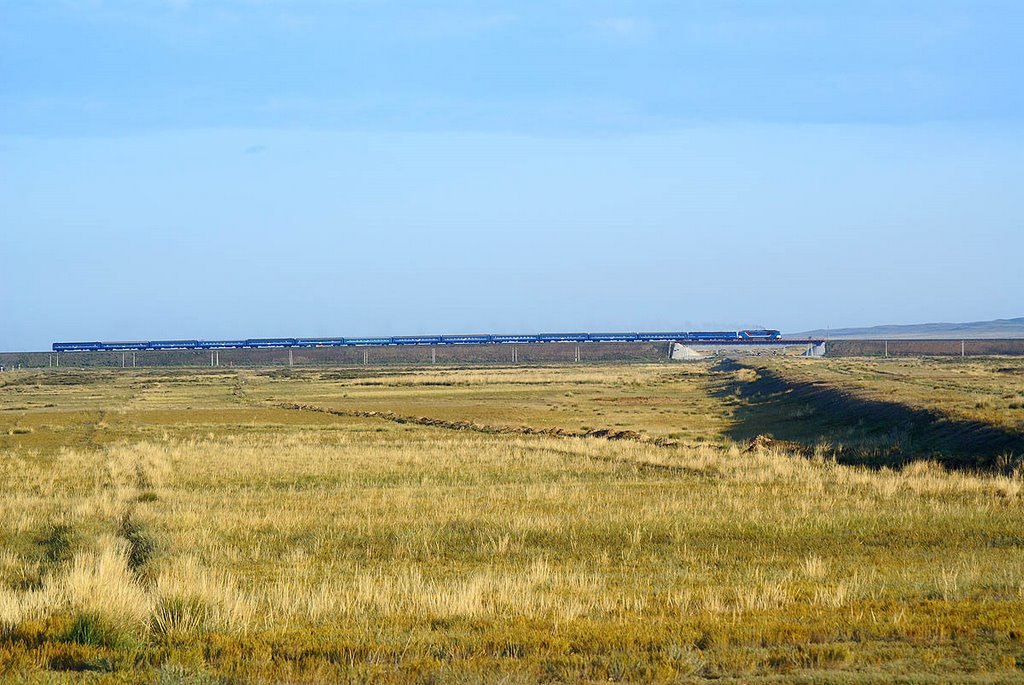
(606, 433)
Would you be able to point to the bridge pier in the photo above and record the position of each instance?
(684, 353)
(815, 350)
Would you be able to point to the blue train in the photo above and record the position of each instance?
(736, 337)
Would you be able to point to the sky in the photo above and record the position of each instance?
(250, 168)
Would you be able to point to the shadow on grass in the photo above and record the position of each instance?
(859, 430)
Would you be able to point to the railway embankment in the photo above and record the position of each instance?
(539, 353)
(535, 353)
(967, 347)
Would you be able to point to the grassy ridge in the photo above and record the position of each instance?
(989, 391)
(881, 418)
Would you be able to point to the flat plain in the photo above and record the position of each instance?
(846, 520)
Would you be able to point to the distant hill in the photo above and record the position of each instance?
(999, 328)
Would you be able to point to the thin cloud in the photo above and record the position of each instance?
(440, 25)
(629, 28)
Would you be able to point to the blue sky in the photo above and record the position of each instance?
(243, 168)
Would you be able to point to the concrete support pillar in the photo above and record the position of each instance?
(684, 353)
(815, 350)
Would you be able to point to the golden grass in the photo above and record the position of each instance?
(295, 546)
(990, 390)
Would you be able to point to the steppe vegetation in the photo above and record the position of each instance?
(964, 413)
(559, 523)
(987, 390)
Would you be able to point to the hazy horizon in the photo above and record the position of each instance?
(255, 169)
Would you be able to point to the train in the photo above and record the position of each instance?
(727, 337)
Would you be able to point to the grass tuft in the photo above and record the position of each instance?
(97, 630)
(179, 618)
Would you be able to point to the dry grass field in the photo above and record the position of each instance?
(551, 523)
(967, 413)
(987, 390)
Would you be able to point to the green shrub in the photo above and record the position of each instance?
(95, 630)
